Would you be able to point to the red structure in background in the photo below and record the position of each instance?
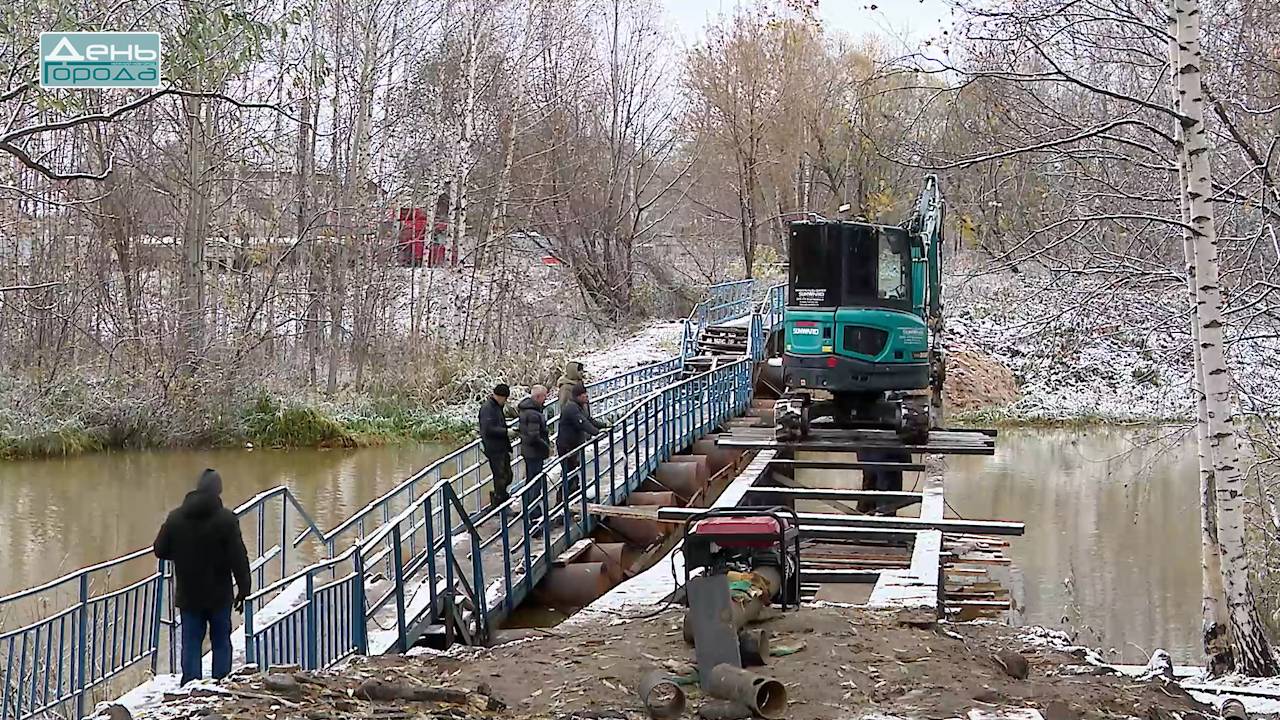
(414, 246)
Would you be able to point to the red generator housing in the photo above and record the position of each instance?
(415, 246)
(728, 538)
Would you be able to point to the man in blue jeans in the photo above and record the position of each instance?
(203, 542)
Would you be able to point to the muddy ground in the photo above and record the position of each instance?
(852, 663)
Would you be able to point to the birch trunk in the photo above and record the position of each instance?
(1216, 642)
(1252, 653)
(196, 228)
(465, 138)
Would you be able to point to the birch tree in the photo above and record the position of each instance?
(1252, 653)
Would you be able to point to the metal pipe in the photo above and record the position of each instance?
(753, 646)
(745, 610)
(661, 696)
(765, 696)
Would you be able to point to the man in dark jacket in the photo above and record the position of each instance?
(535, 442)
(495, 441)
(575, 428)
(202, 539)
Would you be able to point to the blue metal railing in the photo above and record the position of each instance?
(725, 301)
(102, 622)
(467, 467)
(767, 317)
(433, 555)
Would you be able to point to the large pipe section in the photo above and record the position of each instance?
(575, 585)
(765, 696)
(744, 610)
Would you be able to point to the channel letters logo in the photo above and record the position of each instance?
(100, 59)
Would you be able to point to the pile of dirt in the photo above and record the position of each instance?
(841, 663)
(976, 381)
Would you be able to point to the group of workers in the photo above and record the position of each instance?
(575, 427)
(202, 538)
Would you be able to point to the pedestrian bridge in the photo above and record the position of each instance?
(427, 556)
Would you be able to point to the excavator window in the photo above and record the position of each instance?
(877, 263)
(815, 266)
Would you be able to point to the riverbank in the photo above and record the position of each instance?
(1083, 350)
(837, 663)
(84, 415)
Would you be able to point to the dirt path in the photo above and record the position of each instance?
(853, 663)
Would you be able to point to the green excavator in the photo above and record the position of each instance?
(863, 323)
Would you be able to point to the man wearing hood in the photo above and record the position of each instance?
(203, 542)
(495, 441)
(535, 441)
(576, 427)
(574, 374)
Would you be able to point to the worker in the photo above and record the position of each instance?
(576, 427)
(881, 479)
(202, 539)
(574, 374)
(535, 442)
(495, 441)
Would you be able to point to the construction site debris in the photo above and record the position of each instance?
(661, 695)
(753, 645)
(283, 684)
(1013, 663)
(847, 670)
(765, 696)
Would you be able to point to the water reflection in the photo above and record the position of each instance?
(1112, 541)
(58, 515)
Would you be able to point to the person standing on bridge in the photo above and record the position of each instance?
(576, 427)
(535, 441)
(495, 441)
(574, 374)
(202, 540)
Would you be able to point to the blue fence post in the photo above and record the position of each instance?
(284, 536)
(446, 538)
(482, 597)
(250, 647)
(310, 632)
(429, 519)
(397, 557)
(155, 619)
(82, 655)
(506, 559)
(359, 625)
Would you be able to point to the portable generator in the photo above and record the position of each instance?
(746, 538)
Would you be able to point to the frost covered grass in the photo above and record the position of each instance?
(432, 397)
(1086, 351)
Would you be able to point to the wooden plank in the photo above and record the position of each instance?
(801, 492)
(823, 575)
(847, 465)
(633, 513)
(574, 552)
(784, 480)
(994, 527)
(854, 534)
(762, 443)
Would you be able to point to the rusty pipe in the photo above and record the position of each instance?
(765, 696)
(661, 696)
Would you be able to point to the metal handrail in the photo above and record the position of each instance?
(383, 503)
(321, 611)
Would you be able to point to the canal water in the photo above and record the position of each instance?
(1111, 514)
(1111, 552)
(63, 514)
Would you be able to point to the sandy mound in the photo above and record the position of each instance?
(976, 381)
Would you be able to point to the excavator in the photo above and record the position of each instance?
(863, 324)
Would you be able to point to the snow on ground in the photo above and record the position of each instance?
(657, 342)
(1083, 349)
